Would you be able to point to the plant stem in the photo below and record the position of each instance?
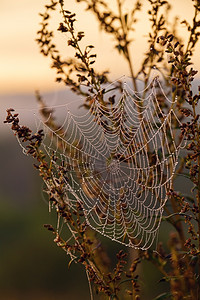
(197, 138)
(126, 50)
(94, 82)
(198, 205)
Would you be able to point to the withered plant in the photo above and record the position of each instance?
(178, 259)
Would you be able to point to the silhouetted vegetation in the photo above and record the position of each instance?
(177, 257)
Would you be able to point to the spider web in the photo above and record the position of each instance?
(119, 162)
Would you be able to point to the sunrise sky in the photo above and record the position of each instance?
(23, 69)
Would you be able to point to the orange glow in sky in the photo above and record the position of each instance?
(24, 69)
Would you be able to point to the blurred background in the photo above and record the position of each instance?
(31, 266)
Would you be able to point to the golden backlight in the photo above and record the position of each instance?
(24, 69)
